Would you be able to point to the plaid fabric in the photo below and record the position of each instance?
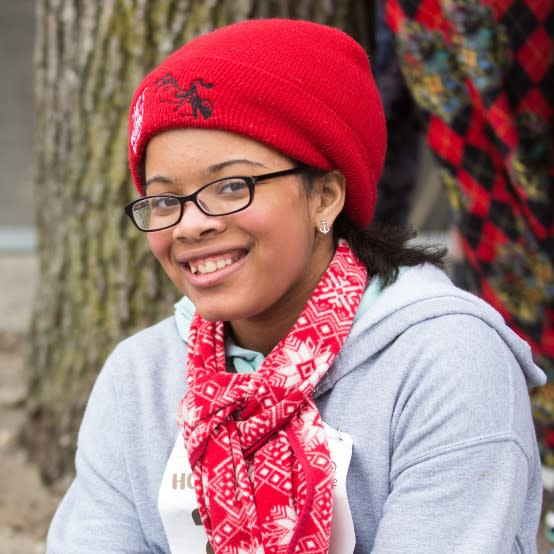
(483, 73)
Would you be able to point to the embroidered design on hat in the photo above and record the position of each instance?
(188, 102)
(138, 113)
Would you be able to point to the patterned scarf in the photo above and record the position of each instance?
(256, 442)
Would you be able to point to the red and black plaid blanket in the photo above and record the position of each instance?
(482, 71)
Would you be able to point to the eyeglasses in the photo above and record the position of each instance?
(222, 197)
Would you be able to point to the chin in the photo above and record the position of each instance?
(226, 310)
(218, 313)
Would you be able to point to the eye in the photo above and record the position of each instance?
(231, 186)
(163, 203)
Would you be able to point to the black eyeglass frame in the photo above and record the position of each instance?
(251, 182)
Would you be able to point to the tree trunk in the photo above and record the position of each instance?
(98, 282)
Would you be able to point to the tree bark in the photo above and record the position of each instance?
(98, 282)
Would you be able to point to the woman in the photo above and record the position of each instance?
(334, 391)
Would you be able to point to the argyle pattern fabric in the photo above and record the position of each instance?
(256, 442)
(482, 71)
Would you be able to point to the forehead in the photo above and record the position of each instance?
(202, 149)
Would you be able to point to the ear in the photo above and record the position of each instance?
(328, 195)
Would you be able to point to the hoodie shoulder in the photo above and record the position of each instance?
(425, 293)
(153, 357)
(150, 339)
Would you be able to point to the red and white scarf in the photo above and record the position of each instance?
(256, 442)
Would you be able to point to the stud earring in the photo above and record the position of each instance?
(323, 226)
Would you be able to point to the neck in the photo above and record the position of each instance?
(263, 332)
(259, 335)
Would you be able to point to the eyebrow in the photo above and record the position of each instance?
(222, 165)
(212, 170)
(158, 179)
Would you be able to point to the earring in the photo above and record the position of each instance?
(323, 226)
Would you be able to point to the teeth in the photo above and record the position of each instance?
(210, 266)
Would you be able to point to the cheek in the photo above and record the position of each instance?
(277, 229)
(284, 237)
(159, 243)
(279, 213)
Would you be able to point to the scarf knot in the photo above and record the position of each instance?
(256, 442)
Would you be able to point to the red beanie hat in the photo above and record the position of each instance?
(302, 88)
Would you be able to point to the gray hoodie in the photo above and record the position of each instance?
(431, 388)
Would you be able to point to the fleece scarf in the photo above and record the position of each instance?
(256, 442)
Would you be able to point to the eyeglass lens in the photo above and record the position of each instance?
(219, 198)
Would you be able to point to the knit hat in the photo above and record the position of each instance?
(301, 88)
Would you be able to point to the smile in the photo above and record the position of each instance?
(211, 265)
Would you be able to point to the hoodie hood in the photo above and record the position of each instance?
(422, 293)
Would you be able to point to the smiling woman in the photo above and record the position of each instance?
(334, 391)
(276, 256)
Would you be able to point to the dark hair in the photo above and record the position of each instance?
(382, 248)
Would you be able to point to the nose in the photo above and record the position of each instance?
(195, 224)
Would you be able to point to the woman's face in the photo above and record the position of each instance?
(267, 258)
